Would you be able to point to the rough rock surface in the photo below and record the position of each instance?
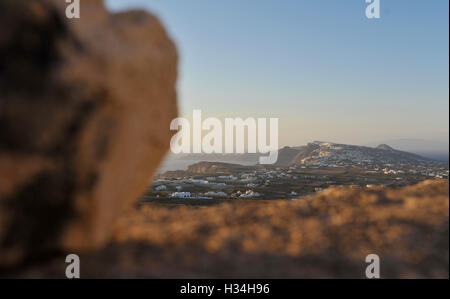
(85, 108)
(327, 235)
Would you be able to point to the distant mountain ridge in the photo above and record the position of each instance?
(432, 148)
(328, 153)
(324, 153)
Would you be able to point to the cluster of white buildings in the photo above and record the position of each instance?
(181, 195)
(187, 195)
(161, 188)
(433, 173)
(231, 178)
(248, 194)
(248, 180)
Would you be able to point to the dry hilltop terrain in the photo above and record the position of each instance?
(326, 235)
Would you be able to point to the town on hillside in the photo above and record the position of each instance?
(304, 171)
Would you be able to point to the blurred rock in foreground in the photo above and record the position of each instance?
(85, 108)
(327, 235)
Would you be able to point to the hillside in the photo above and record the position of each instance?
(286, 155)
(217, 167)
(326, 235)
(317, 153)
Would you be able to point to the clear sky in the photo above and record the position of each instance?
(321, 66)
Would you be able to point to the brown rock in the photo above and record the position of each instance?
(327, 235)
(85, 108)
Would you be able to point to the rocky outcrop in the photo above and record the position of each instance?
(85, 108)
(384, 147)
(327, 235)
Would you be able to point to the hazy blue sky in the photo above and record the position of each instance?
(321, 66)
